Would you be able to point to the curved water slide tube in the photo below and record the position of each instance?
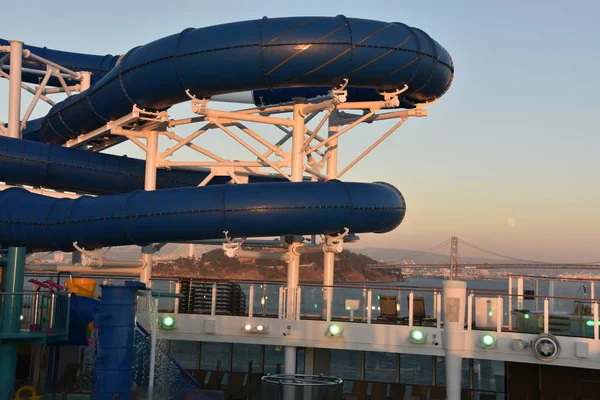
(275, 56)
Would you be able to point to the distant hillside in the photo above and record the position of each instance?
(349, 267)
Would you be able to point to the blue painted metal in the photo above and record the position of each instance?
(11, 311)
(116, 323)
(61, 168)
(259, 54)
(175, 215)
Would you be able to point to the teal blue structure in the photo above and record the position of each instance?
(11, 311)
(116, 329)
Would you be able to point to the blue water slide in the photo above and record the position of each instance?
(178, 215)
(263, 54)
(40, 164)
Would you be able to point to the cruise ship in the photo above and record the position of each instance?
(287, 90)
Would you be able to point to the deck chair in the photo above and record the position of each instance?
(397, 391)
(200, 376)
(465, 394)
(437, 393)
(214, 380)
(419, 391)
(235, 388)
(359, 389)
(419, 313)
(388, 309)
(254, 383)
(378, 391)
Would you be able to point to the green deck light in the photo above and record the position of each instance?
(334, 330)
(589, 322)
(526, 316)
(490, 314)
(168, 322)
(417, 336)
(488, 341)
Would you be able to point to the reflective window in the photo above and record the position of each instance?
(416, 369)
(213, 354)
(488, 375)
(274, 357)
(243, 354)
(440, 372)
(185, 352)
(300, 358)
(380, 367)
(346, 364)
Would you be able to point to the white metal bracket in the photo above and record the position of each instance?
(335, 244)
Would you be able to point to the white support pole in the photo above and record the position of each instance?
(551, 295)
(454, 293)
(213, 300)
(411, 298)
(369, 305)
(595, 311)
(438, 319)
(537, 294)
(153, 333)
(546, 315)
(149, 184)
(251, 301)
(499, 314)
(519, 294)
(510, 292)
(177, 291)
(14, 89)
(281, 302)
(470, 312)
(297, 169)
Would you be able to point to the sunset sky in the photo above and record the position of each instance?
(508, 159)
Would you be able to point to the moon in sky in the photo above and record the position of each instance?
(512, 222)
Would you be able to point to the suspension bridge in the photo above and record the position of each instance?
(454, 264)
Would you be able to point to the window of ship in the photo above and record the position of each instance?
(215, 355)
(243, 354)
(416, 369)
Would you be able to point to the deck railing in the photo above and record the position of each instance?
(34, 314)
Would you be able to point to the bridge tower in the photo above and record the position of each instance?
(454, 262)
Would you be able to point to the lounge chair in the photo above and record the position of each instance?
(419, 391)
(397, 391)
(388, 309)
(359, 389)
(437, 393)
(378, 391)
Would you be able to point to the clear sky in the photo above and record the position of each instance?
(508, 159)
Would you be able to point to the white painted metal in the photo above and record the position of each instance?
(177, 291)
(369, 305)
(411, 300)
(551, 295)
(14, 89)
(35, 99)
(213, 301)
(595, 311)
(153, 339)
(537, 294)
(500, 314)
(454, 293)
(149, 184)
(470, 312)
(439, 307)
(86, 81)
(251, 301)
(519, 293)
(546, 315)
(281, 303)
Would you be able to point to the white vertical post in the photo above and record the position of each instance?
(500, 314)
(281, 302)
(329, 257)
(14, 89)
(297, 171)
(435, 305)
(546, 315)
(519, 293)
(153, 332)
(537, 294)
(411, 297)
(149, 184)
(455, 293)
(328, 268)
(251, 301)
(470, 312)
(177, 291)
(369, 305)
(86, 80)
(213, 301)
(510, 292)
(595, 310)
(438, 318)
(551, 295)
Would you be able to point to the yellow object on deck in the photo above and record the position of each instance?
(81, 286)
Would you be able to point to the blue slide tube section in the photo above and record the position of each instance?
(61, 168)
(176, 215)
(115, 323)
(267, 54)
